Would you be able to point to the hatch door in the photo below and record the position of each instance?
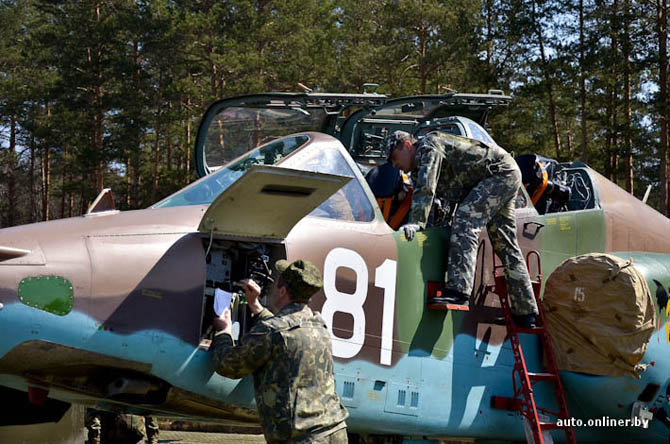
(267, 202)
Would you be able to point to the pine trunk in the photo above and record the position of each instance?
(187, 153)
(46, 182)
(33, 203)
(99, 116)
(627, 131)
(663, 102)
(46, 174)
(129, 183)
(582, 83)
(548, 84)
(11, 173)
(422, 62)
(613, 149)
(63, 183)
(137, 134)
(169, 139)
(157, 148)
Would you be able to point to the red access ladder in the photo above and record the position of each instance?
(523, 380)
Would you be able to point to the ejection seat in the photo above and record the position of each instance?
(546, 190)
(393, 191)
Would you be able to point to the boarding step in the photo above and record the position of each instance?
(542, 376)
(553, 426)
(434, 289)
(448, 307)
(530, 331)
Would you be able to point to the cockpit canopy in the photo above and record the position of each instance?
(232, 127)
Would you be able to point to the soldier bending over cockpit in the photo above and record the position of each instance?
(483, 180)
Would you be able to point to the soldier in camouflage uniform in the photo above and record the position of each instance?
(290, 357)
(483, 180)
(107, 427)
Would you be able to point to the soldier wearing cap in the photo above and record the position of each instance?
(483, 179)
(120, 428)
(289, 355)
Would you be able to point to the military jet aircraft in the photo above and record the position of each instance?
(113, 309)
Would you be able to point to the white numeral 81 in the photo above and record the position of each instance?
(352, 303)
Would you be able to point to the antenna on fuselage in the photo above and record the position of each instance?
(646, 194)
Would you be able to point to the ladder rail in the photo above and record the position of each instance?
(523, 382)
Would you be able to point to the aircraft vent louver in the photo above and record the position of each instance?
(414, 400)
(348, 390)
(402, 394)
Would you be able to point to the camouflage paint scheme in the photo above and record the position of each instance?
(138, 281)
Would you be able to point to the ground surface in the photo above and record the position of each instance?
(70, 430)
(207, 438)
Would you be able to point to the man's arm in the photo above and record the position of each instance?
(234, 361)
(428, 170)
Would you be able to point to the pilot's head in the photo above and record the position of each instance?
(297, 282)
(402, 149)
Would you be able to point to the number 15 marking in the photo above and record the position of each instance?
(352, 303)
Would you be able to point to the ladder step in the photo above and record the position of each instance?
(552, 426)
(448, 307)
(543, 376)
(505, 403)
(530, 331)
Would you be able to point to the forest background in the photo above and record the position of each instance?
(109, 93)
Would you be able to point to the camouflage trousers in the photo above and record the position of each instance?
(491, 203)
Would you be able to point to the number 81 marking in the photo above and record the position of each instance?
(352, 303)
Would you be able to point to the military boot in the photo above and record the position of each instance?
(151, 429)
(524, 321)
(93, 437)
(94, 426)
(451, 296)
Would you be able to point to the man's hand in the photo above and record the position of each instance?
(252, 291)
(410, 230)
(224, 322)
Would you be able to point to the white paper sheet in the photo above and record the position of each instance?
(222, 300)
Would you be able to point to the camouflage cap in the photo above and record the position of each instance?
(302, 278)
(394, 138)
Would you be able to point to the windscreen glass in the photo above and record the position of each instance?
(350, 202)
(237, 130)
(205, 190)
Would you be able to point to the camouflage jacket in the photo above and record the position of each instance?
(291, 361)
(448, 167)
